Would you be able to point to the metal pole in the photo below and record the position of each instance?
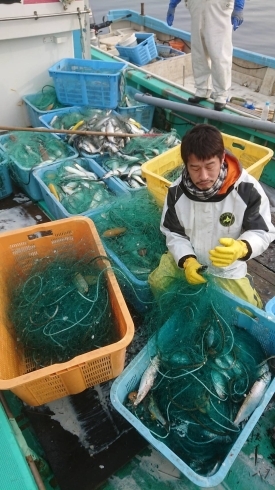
(36, 16)
(263, 126)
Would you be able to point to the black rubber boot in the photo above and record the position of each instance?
(219, 106)
(196, 99)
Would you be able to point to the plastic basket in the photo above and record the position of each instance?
(24, 177)
(15, 471)
(142, 113)
(56, 209)
(99, 158)
(34, 113)
(165, 52)
(35, 387)
(270, 307)
(5, 180)
(137, 292)
(260, 327)
(143, 53)
(87, 82)
(45, 119)
(252, 157)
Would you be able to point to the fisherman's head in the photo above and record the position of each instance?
(202, 151)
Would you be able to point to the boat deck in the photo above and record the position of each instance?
(89, 445)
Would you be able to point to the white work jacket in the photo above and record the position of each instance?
(193, 227)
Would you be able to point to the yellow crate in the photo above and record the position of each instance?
(251, 156)
(19, 249)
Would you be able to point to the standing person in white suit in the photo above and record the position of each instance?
(212, 48)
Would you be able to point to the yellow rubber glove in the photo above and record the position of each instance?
(232, 250)
(191, 265)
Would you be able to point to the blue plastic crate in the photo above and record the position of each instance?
(56, 209)
(99, 158)
(143, 53)
(259, 325)
(45, 120)
(34, 113)
(142, 113)
(24, 177)
(15, 471)
(137, 292)
(165, 51)
(270, 306)
(87, 82)
(5, 180)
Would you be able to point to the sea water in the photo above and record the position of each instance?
(256, 34)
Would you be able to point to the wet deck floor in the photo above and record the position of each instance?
(110, 442)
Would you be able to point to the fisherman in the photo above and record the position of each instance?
(216, 215)
(211, 37)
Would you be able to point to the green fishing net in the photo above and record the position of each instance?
(2, 157)
(61, 309)
(77, 187)
(174, 174)
(126, 163)
(206, 365)
(29, 148)
(73, 116)
(130, 229)
(46, 100)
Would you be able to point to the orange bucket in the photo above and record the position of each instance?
(177, 44)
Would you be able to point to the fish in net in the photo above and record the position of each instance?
(61, 309)
(130, 228)
(76, 187)
(46, 99)
(207, 368)
(30, 149)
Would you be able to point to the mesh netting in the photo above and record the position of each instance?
(30, 148)
(46, 100)
(106, 121)
(76, 187)
(2, 157)
(130, 228)
(201, 370)
(68, 119)
(61, 309)
(126, 164)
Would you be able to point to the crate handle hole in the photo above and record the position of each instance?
(238, 145)
(40, 234)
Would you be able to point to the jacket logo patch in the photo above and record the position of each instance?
(227, 219)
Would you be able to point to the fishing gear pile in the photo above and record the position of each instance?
(130, 228)
(46, 100)
(31, 148)
(204, 378)
(76, 187)
(61, 309)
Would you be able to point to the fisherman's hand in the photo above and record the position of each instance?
(191, 266)
(237, 14)
(231, 251)
(171, 11)
(170, 15)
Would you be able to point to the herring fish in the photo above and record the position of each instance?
(253, 398)
(147, 379)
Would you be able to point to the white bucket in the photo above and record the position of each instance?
(128, 41)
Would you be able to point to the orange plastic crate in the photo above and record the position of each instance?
(19, 249)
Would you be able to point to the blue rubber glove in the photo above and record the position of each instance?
(171, 11)
(237, 14)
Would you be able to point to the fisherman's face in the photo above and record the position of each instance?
(204, 173)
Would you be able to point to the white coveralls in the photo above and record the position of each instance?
(211, 38)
